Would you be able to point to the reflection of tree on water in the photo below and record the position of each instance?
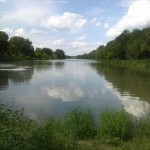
(18, 76)
(136, 83)
(128, 86)
(59, 65)
(3, 79)
(41, 65)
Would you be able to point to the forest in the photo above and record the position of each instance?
(20, 48)
(134, 45)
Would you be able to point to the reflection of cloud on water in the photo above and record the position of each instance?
(65, 94)
(132, 105)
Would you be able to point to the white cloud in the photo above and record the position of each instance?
(9, 31)
(37, 32)
(126, 3)
(78, 44)
(138, 16)
(68, 21)
(65, 94)
(25, 13)
(132, 105)
(95, 21)
(59, 42)
(81, 38)
(20, 32)
(54, 44)
(106, 25)
(100, 43)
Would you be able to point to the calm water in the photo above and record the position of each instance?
(46, 88)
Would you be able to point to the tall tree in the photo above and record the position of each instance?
(21, 47)
(60, 54)
(3, 43)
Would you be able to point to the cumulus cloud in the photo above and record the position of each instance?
(132, 105)
(20, 32)
(37, 32)
(67, 94)
(95, 21)
(9, 31)
(54, 44)
(67, 21)
(138, 16)
(25, 13)
(78, 44)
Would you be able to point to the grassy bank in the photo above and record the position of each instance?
(15, 58)
(116, 130)
(134, 64)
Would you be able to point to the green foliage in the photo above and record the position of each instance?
(116, 126)
(59, 54)
(3, 43)
(18, 48)
(128, 45)
(52, 136)
(80, 123)
(49, 52)
(19, 132)
(40, 54)
(15, 129)
(21, 47)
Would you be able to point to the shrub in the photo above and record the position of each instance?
(52, 136)
(116, 126)
(80, 123)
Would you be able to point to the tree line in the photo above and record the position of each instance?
(19, 47)
(127, 46)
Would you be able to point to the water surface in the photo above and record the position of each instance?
(46, 88)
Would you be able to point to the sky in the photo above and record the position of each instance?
(76, 26)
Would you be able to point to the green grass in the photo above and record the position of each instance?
(116, 130)
(116, 127)
(81, 123)
(134, 64)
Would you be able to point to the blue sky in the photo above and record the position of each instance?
(76, 26)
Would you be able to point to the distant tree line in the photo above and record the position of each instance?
(128, 45)
(19, 47)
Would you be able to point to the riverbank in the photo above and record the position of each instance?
(133, 64)
(116, 130)
(15, 58)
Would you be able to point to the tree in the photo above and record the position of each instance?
(60, 54)
(21, 47)
(49, 52)
(39, 53)
(3, 43)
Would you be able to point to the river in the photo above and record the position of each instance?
(54, 87)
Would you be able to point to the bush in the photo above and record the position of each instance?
(116, 126)
(15, 129)
(81, 123)
(143, 127)
(19, 132)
